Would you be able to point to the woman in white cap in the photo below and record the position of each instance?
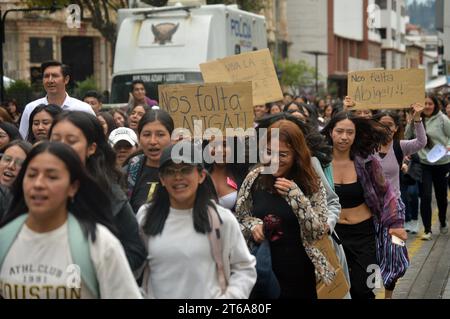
(124, 142)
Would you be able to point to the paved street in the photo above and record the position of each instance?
(428, 274)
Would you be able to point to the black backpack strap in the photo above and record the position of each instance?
(398, 153)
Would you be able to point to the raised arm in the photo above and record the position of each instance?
(412, 146)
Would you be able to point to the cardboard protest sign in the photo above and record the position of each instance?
(386, 89)
(256, 66)
(339, 287)
(216, 105)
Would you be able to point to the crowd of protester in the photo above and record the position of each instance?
(106, 189)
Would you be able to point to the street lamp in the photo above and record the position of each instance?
(316, 54)
(52, 9)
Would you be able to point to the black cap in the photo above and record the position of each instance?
(184, 151)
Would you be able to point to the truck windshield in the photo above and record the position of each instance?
(121, 84)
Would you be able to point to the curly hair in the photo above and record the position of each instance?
(369, 134)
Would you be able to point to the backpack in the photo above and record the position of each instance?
(79, 248)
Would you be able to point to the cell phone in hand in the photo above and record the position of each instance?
(397, 241)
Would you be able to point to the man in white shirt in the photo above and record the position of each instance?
(55, 77)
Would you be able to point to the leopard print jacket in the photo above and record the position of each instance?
(311, 215)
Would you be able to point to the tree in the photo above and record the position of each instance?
(21, 91)
(295, 74)
(82, 87)
(103, 13)
(247, 5)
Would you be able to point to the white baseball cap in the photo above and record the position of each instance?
(123, 134)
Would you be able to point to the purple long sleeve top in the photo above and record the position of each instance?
(389, 163)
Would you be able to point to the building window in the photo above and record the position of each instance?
(381, 3)
(383, 59)
(41, 49)
(403, 11)
(382, 33)
(394, 35)
(394, 5)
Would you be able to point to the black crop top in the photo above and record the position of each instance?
(350, 195)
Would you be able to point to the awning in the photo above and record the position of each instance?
(438, 82)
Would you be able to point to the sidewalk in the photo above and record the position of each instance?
(428, 274)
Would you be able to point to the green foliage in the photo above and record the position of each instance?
(247, 5)
(46, 3)
(332, 89)
(296, 74)
(83, 86)
(21, 91)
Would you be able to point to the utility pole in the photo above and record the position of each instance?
(316, 55)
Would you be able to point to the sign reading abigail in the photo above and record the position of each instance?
(256, 66)
(386, 89)
(218, 105)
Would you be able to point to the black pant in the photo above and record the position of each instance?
(433, 175)
(360, 250)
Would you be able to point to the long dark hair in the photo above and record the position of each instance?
(23, 145)
(158, 210)
(149, 117)
(437, 104)
(369, 134)
(314, 140)
(302, 171)
(101, 164)
(122, 113)
(235, 170)
(11, 130)
(144, 106)
(395, 117)
(51, 109)
(90, 205)
(436, 110)
(109, 121)
(156, 115)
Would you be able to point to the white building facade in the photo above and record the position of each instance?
(393, 30)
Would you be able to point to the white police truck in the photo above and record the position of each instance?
(166, 45)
